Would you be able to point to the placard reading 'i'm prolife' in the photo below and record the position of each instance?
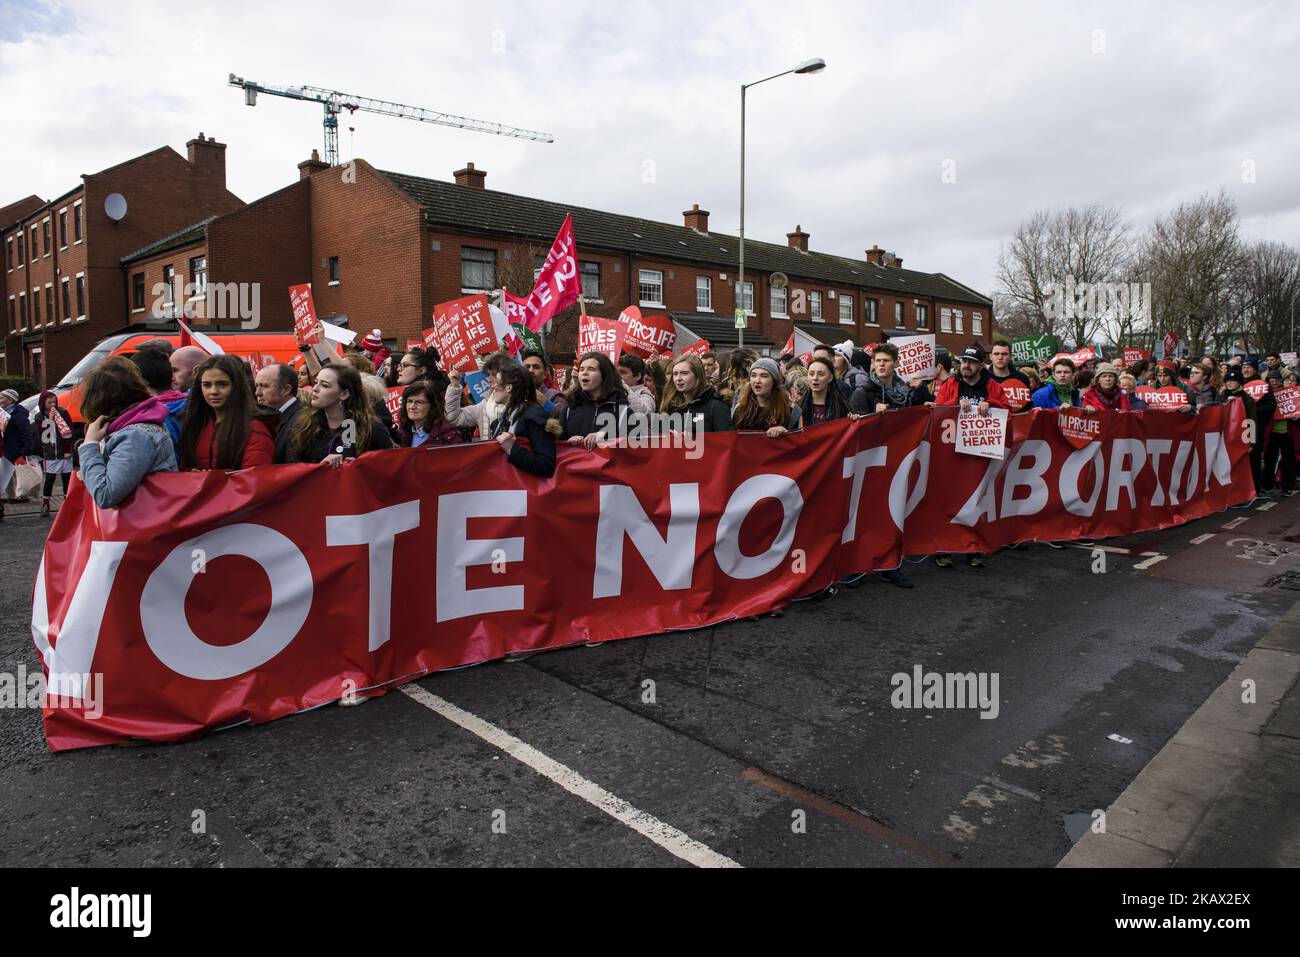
(983, 435)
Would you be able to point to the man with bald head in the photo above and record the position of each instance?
(184, 361)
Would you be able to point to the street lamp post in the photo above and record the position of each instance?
(815, 65)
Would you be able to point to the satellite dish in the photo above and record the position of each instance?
(779, 280)
(115, 207)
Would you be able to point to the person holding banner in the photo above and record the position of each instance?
(1105, 394)
(53, 429)
(972, 385)
(632, 370)
(1060, 392)
(221, 429)
(522, 416)
(1001, 370)
(822, 400)
(421, 419)
(883, 390)
(1281, 448)
(689, 392)
(598, 391)
(1200, 387)
(338, 423)
(129, 422)
(763, 403)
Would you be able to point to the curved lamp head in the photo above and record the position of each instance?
(815, 65)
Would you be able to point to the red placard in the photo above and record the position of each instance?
(1018, 394)
(1078, 427)
(697, 348)
(415, 343)
(393, 399)
(1132, 356)
(306, 326)
(1256, 388)
(1171, 343)
(1288, 403)
(601, 335)
(462, 329)
(647, 336)
(1167, 399)
(182, 652)
(1087, 354)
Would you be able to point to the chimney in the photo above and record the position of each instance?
(469, 176)
(697, 219)
(798, 239)
(876, 255)
(314, 165)
(896, 262)
(208, 157)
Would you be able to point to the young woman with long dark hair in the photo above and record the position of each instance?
(221, 428)
(822, 400)
(522, 416)
(54, 433)
(763, 404)
(337, 423)
(596, 394)
(688, 392)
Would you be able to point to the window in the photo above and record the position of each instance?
(169, 291)
(478, 269)
(704, 293)
(199, 276)
(13, 314)
(45, 235)
(815, 306)
(33, 250)
(922, 317)
(67, 299)
(137, 292)
(49, 304)
(976, 324)
(9, 254)
(747, 300)
(779, 301)
(898, 315)
(36, 308)
(945, 320)
(81, 295)
(652, 287)
(22, 309)
(590, 280)
(63, 229)
(76, 222)
(846, 310)
(873, 312)
(334, 270)
(961, 325)
(22, 253)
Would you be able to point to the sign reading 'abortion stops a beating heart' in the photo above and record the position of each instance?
(983, 435)
(915, 357)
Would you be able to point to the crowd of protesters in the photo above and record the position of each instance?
(165, 409)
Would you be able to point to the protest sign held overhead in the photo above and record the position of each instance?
(648, 336)
(306, 327)
(915, 357)
(1132, 356)
(601, 335)
(463, 329)
(1028, 349)
(557, 287)
(1288, 403)
(982, 435)
(1086, 354)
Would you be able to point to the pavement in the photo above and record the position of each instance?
(766, 743)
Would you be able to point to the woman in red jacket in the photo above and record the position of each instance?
(1105, 393)
(221, 430)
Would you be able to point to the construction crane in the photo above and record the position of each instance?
(335, 102)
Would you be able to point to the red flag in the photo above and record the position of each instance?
(557, 286)
(190, 337)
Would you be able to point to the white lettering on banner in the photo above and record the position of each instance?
(1123, 454)
(1156, 448)
(377, 530)
(162, 604)
(671, 559)
(748, 494)
(856, 466)
(1217, 462)
(1072, 472)
(1193, 477)
(983, 502)
(72, 651)
(901, 504)
(1017, 476)
(457, 552)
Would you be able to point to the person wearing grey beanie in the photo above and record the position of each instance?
(763, 404)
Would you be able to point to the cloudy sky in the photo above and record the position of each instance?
(1030, 105)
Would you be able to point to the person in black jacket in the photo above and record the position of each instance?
(883, 390)
(822, 401)
(17, 438)
(522, 417)
(689, 393)
(596, 405)
(1265, 406)
(339, 424)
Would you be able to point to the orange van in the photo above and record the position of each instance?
(259, 348)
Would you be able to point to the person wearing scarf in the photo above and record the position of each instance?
(882, 390)
(53, 429)
(128, 422)
(1105, 395)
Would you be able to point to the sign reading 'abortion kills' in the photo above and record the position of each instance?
(983, 435)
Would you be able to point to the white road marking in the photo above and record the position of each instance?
(1153, 560)
(1266, 506)
(666, 836)
(1102, 548)
(1237, 521)
(1202, 539)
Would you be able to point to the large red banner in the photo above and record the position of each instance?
(209, 599)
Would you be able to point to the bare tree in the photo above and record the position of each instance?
(1055, 262)
(1193, 259)
(1266, 296)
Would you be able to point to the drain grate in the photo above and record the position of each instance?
(1288, 580)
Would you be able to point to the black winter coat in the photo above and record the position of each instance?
(539, 459)
(581, 415)
(714, 414)
(866, 399)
